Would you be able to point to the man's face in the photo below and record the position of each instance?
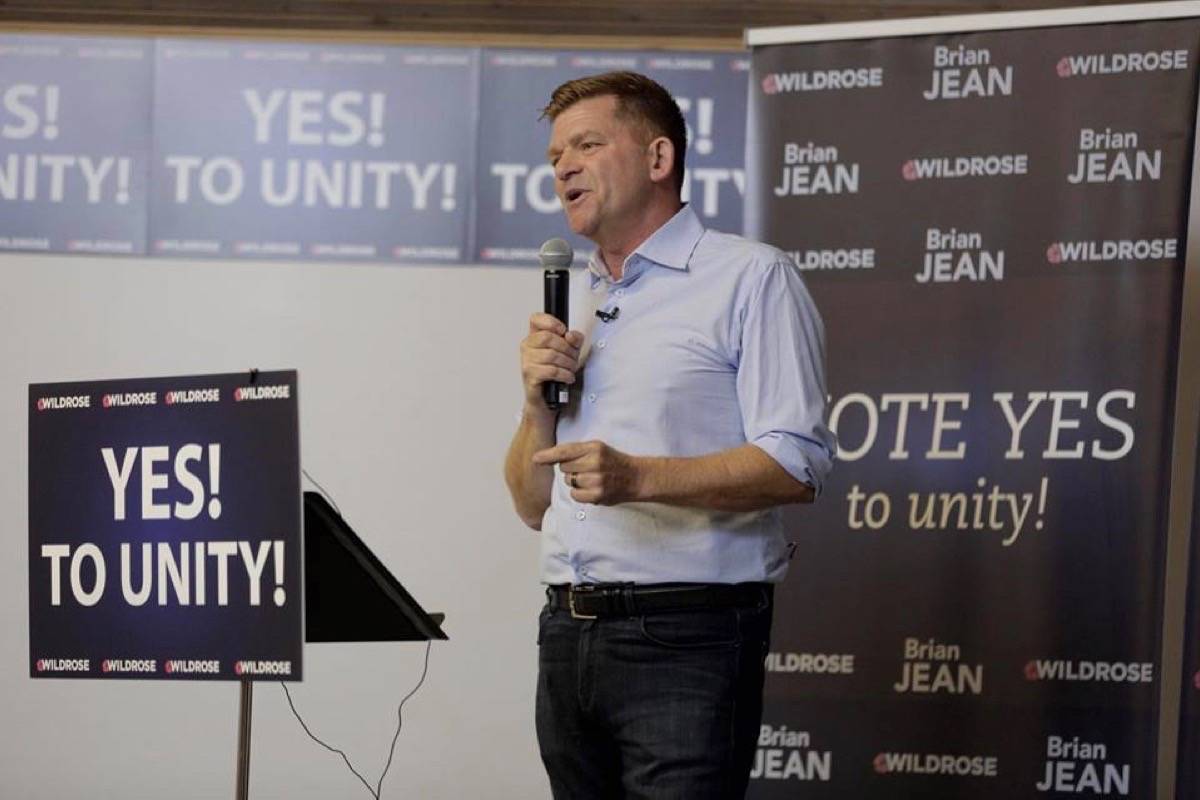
(601, 168)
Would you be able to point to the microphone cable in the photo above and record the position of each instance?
(377, 791)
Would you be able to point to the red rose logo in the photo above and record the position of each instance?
(41, 404)
(168, 667)
(1054, 253)
(237, 668)
(881, 764)
(909, 170)
(770, 85)
(1031, 671)
(107, 401)
(237, 395)
(41, 665)
(1196, 680)
(1064, 68)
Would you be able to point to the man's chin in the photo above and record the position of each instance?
(581, 225)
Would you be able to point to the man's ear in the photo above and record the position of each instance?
(660, 154)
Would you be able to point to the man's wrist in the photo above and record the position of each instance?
(645, 472)
(536, 413)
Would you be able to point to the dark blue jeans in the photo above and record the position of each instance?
(664, 706)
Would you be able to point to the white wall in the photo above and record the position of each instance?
(408, 390)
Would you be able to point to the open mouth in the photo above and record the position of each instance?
(574, 194)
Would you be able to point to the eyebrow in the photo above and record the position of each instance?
(576, 139)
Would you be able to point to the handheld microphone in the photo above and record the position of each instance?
(556, 256)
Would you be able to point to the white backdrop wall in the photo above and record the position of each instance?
(409, 388)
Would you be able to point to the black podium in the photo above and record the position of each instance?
(349, 596)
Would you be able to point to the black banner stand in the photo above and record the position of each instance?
(349, 596)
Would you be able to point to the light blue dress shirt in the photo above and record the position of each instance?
(715, 343)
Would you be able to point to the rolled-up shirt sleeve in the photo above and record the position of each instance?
(781, 376)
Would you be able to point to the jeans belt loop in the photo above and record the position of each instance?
(628, 603)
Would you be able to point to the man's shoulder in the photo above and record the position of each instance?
(730, 251)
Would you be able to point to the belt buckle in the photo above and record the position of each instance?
(581, 589)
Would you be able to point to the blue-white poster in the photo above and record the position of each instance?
(311, 151)
(164, 528)
(514, 189)
(74, 144)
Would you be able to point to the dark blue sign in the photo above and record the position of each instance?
(74, 144)
(514, 189)
(164, 528)
(309, 151)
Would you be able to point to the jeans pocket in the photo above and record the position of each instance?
(693, 629)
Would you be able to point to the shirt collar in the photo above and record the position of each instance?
(670, 246)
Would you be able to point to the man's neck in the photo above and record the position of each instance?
(616, 251)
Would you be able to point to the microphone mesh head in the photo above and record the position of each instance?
(556, 254)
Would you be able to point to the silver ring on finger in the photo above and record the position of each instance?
(572, 480)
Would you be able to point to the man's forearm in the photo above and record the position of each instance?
(529, 483)
(740, 479)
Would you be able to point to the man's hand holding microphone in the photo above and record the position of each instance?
(550, 355)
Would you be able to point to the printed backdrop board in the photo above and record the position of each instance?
(514, 188)
(74, 143)
(1189, 726)
(164, 528)
(992, 227)
(311, 151)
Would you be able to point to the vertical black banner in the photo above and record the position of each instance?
(1188, 776)
(992, 225)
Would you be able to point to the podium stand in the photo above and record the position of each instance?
(349, 596)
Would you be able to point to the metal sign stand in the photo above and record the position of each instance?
(245, 709)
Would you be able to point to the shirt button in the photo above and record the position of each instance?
(592, 397)
(580, 515)
(601, 344)
(619, 293)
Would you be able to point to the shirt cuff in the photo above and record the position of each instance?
(804, 459)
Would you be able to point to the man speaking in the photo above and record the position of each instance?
(697, 408)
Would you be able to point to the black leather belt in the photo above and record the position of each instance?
(595, 600)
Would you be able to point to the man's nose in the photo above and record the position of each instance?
(565, 168)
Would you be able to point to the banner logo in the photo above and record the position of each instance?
(809, 169)
(1113, 250)
(1109, 156)
(1082, 767)
(1089, 671)
(811, 663)
(65, 401)
(1121, 63)
(281, 391)
(262, 668)
(959, 73)
(822, 80)
(931, 667)
(785, 754)
(128, 665)
(934, 764)
(129, 399)
(838, 259)
(63, 665)
(954, 255)
(192, 396)
(185, 667)
(990, 166)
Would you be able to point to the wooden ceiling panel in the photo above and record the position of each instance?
(498, 20)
